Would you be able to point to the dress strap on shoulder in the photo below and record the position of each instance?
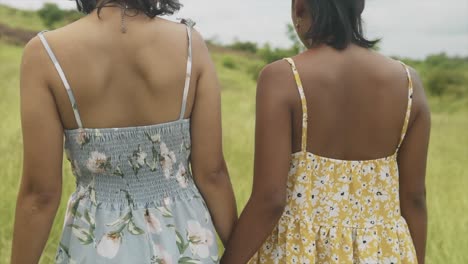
(62, 77)
(410, 103)
(303, 102)
(190, 24)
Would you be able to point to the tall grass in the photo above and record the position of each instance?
(446, 180)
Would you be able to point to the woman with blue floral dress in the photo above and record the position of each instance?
(139, 109)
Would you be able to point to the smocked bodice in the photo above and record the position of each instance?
(133, 166)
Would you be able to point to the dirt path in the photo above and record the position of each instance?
(15, 36)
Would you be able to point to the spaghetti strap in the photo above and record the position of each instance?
(189, 23)
(62, 77)
(408, 110)
(303, 102)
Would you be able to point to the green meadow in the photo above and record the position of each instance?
(447, 177)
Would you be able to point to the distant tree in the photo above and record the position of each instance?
(50, 14)
(440, 81)
(247, 46)
(269, 54)
(297, 45)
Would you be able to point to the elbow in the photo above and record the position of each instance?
(218, 177)
(272, 205)
(38, 202)
(414, 200)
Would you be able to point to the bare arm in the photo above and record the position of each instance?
(41, 183)
(412, 160)
(272, 160)
(208, 164)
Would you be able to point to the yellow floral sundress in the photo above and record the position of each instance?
(340, 211)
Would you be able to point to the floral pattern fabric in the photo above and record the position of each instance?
(135, 200)
(340, 211)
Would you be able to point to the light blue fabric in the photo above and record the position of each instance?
(136, 201)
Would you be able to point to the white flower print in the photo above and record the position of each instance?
(98, 162)
(364, 242)
(200, 239)
(335, 258)
(152, 222)
(299, 194)
(385, 173)
(371, 222)
(381, 195)
(98, 133)
(334, 210)
(141, 157)
(69, 214)
(82, 138)
(314, 196)
(342, 193)
(155, 138)
(167, 159)
(109, 245)
(322, 181)
(161, 255)
(277, 253)
(181, 176)
(167, 201)
(390, 260)
(138, 159)
(370, 260)
(303, 178)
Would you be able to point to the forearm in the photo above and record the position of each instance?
(219, 197)
(254, 226)
(33, 221)
(415, 214)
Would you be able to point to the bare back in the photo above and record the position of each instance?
(122, 80)
(357, 101)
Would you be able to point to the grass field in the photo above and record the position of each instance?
(446, 181)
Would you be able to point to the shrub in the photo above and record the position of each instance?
(270, 55)
(441, 82)
(51, 14)
(229, 62)
(244, 46)
(254, 70)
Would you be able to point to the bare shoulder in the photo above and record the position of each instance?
(198, 42)
(34, 59)
(421, 105)
(202, 57)
(280, 67)
(276, 81)
(34, 49)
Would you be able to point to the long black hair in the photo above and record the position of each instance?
(337, 23)
(151, 8)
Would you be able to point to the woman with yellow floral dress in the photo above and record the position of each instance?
(339, 169)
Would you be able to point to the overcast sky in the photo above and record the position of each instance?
(411, 28)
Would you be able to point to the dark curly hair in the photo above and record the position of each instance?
(338, 23)
(151, 8)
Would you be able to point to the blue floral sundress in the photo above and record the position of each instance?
(135, 200)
